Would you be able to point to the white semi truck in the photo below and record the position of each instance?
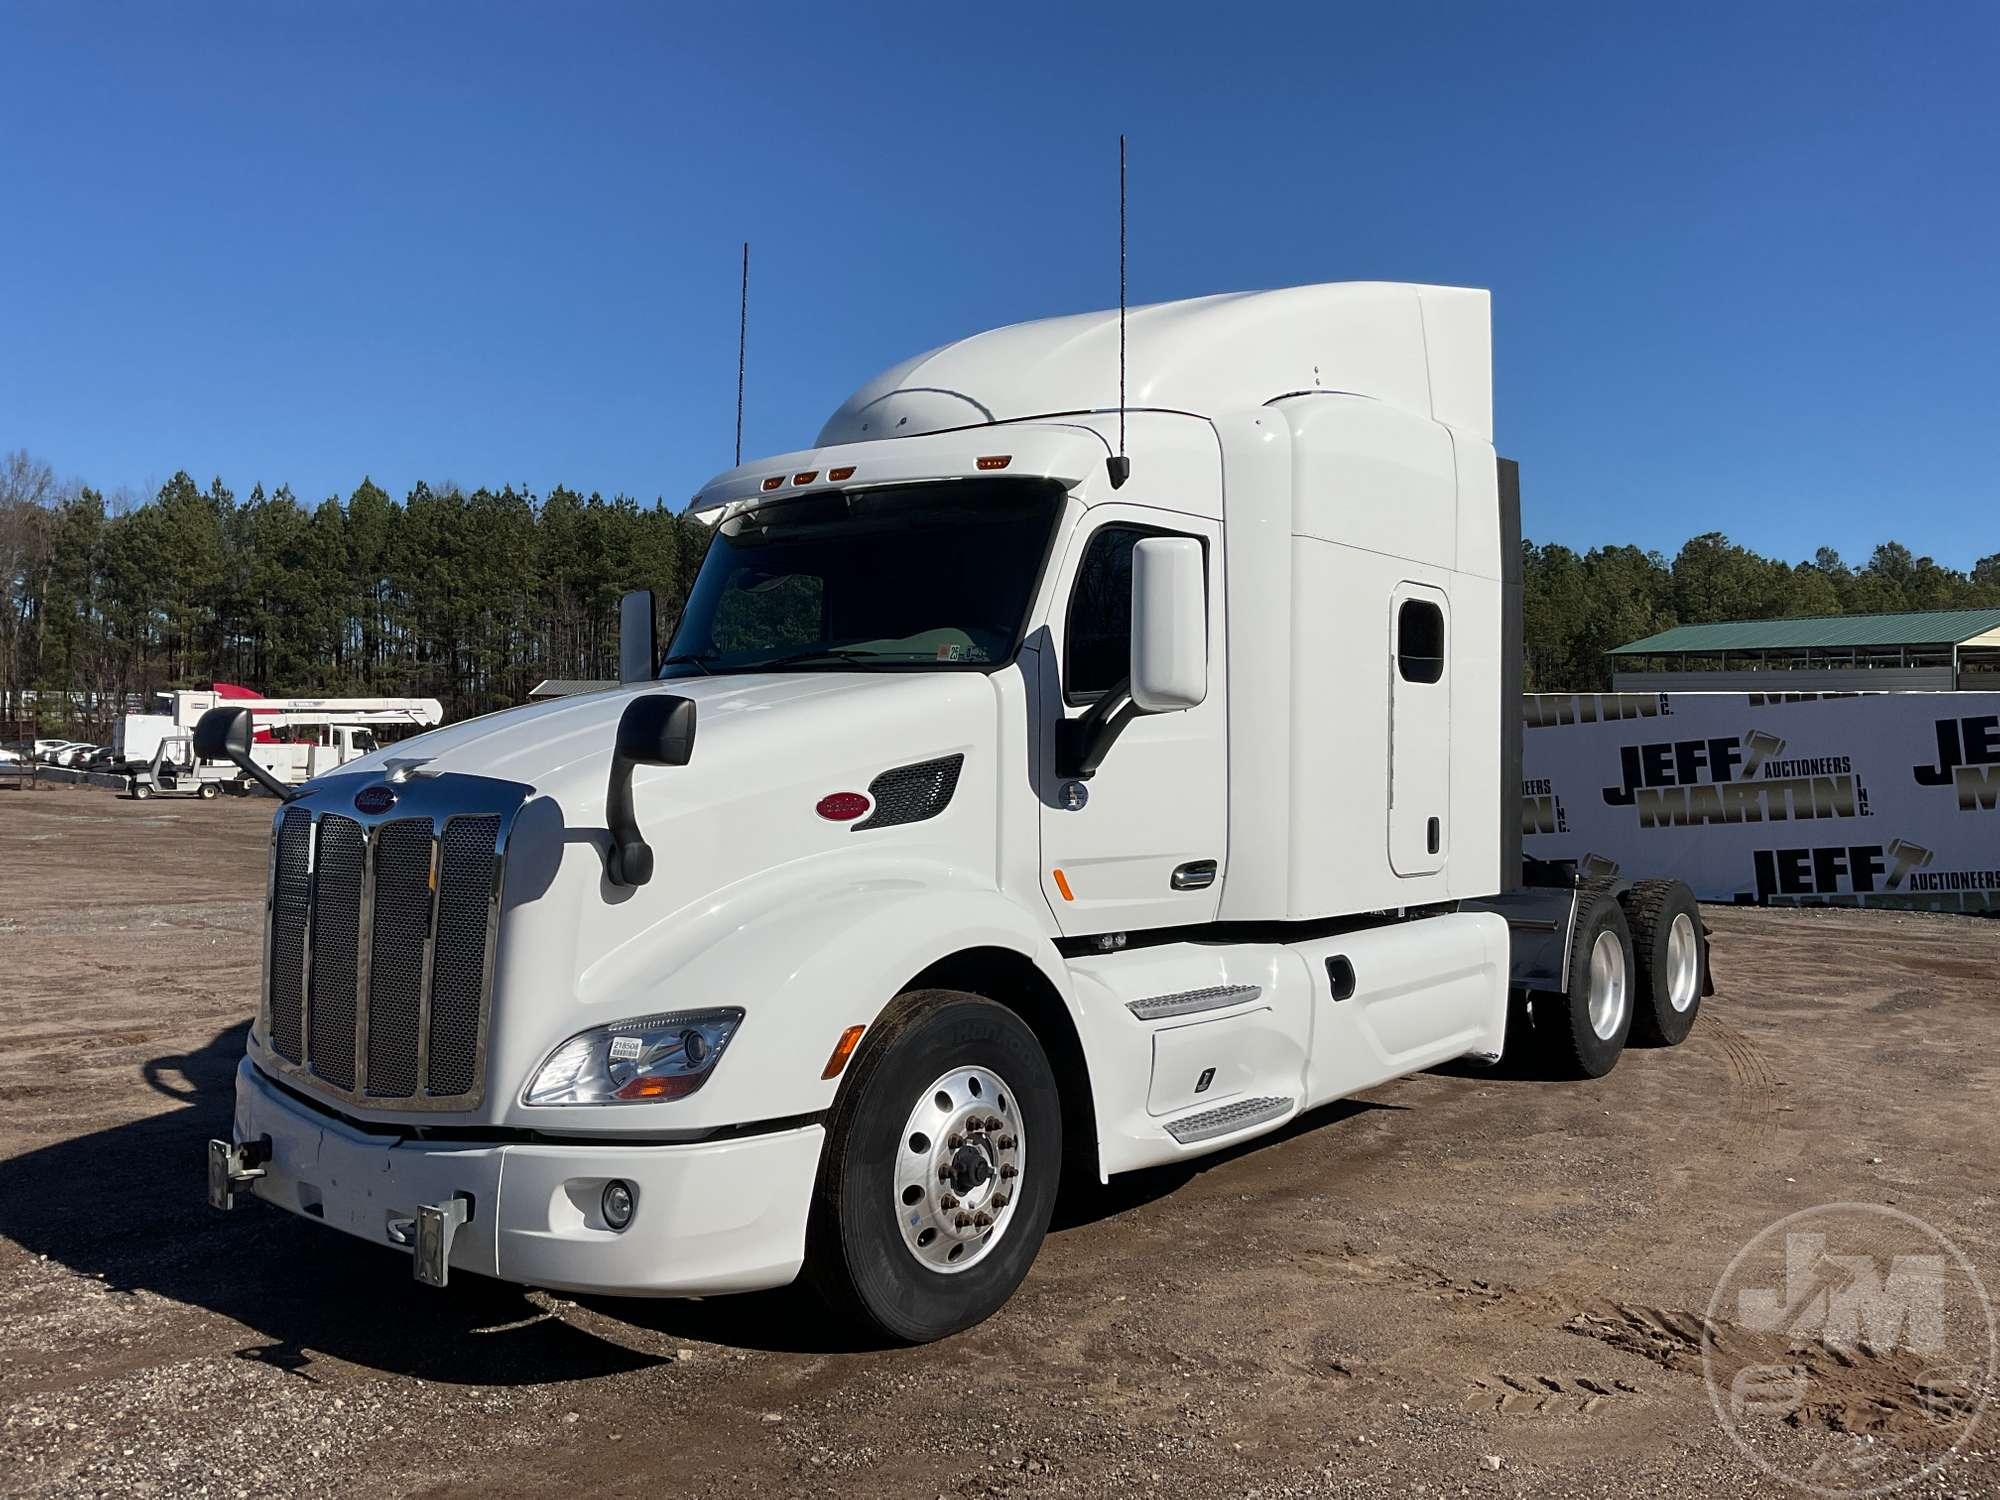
(1032, 788)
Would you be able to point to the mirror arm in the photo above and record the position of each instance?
(631, 859)
(226, 734)
(1083, 742)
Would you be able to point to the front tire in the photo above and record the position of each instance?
(927, 1214)
(1583, 1031)
(206, 791)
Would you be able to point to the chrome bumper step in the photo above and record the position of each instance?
(1193, 1002)
(1227, 1119)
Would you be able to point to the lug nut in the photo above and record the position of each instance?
(944, 1174)
(955, 1141)
(947, 1202)
(1009, 1172)
(999, 1200)
(963, 1221)
(1006, 1143)
(982, 1221)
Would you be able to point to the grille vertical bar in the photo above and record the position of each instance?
(291, 888)
(459, 969)
(336, 935)
(402, 923)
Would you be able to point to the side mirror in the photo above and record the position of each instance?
(1169, 662)
(656, 729)
(638, 652)
(1169, 624)
(227, 734)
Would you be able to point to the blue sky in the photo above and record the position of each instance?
(1741, 255)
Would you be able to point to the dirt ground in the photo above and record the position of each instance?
(1464, 1283)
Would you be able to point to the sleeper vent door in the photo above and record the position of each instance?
(1419, 729)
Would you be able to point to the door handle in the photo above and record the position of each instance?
(1195, 875)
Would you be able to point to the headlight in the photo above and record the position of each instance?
(635, 1062)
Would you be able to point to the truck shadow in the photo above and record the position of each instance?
(126, 1206)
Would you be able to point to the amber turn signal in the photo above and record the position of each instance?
(842, 1050)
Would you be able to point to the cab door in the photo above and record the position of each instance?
(1140, 843)
(1419, 729)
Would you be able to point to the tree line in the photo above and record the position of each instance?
(473, 597)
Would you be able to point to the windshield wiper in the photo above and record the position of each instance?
(688, 659)
(818, 653)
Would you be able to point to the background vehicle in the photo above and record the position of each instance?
(176, 771)
(1036, 788)
(294, 739)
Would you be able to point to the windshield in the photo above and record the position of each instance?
(921, 576)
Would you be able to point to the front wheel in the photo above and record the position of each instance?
(140, 792)
(939, 1174)
(206, 791)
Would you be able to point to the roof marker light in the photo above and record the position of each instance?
(774, 481)
(996, 461)
(845, 471)
(805, 478)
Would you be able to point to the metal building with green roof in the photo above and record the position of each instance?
(1927, 651)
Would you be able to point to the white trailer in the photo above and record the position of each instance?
(1048, 813)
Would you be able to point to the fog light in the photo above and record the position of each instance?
(617, 1204)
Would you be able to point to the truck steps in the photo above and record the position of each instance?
(1226, 1119)
(1193, 1002)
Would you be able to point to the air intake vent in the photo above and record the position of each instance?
(911, 794)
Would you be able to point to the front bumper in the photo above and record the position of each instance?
(716, 1216)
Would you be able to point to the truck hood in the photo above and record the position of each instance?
(544, 745)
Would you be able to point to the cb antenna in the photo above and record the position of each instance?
(742, 332)
(1120, 468)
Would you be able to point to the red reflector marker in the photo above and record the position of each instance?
(996, 461)
(842, 807)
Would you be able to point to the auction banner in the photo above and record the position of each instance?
(1777, 799)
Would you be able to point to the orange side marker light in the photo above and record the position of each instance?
(842, 1050)
(1062, 884)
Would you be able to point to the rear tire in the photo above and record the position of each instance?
(1672, 951)
(883, 1247)
(1583, 1031)
(207, 790)
(141, 793)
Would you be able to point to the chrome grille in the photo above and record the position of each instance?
(380, 956)
(291, 888)
(401, 936)
(458, 974)
(336, 931)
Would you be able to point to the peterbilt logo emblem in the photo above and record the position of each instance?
(374, 799)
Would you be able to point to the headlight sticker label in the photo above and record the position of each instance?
(626, 1048)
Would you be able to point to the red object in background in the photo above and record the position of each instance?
(235, 692)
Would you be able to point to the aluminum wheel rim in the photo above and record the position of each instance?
(1683, 963)
(958, 1170)
(1607, 985)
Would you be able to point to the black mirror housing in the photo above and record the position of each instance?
(656, 729)
(222, 734)
(638, 653)
(227, 734)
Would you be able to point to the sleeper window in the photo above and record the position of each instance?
(1420, 641)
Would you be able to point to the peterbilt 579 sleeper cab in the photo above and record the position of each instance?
(996, 809)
